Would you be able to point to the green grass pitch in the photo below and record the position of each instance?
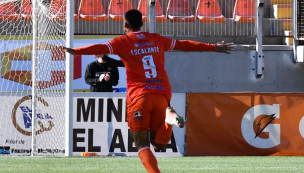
(166, 164)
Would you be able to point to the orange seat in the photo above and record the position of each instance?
(209, 11)
(282, 11)
(8, 11)
(92, 10)
(244, 11)
(118, 8)
(287, 24)
(142, 7)
(26, 10)
(273, 2)
(179, 11)
(58, 10)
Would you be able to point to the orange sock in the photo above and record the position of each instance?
(148, 159)
(163, 134)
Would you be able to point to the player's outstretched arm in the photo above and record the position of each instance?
(188, 45)
(223, 47)
(88, 50)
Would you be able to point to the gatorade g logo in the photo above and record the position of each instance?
(301, 127)
(263, 115)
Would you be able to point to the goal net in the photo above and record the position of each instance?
(32, 83)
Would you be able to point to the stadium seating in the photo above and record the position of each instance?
(26, 10)
(142, 7)
(92, 10)
(180, 11)
(281, 2)
(244, 11)
(58, 10)
(8, 11)
(282, 11)
(209, 11)
(118, 8)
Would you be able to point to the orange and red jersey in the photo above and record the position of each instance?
(144, 57)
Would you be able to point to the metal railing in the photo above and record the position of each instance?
(300, 20)
(238, 18)
(202, 18)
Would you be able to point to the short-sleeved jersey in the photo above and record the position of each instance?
(144, 57)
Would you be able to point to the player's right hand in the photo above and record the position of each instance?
(69, 50)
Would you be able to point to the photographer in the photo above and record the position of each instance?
(101, 76)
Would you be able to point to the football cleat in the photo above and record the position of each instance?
(173, 118)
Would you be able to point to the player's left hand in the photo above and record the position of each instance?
(223, 47)
(107, 77)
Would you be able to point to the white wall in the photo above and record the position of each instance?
(235, 72)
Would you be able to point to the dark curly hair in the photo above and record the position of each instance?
(134, 19)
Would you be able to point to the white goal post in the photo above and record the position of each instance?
(36, 83)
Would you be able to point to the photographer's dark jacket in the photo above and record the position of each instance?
(94, 70)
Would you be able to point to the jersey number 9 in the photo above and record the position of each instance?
(149, 67)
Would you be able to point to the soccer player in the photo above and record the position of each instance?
(148, 89)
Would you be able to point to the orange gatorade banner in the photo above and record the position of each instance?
(245, 124)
